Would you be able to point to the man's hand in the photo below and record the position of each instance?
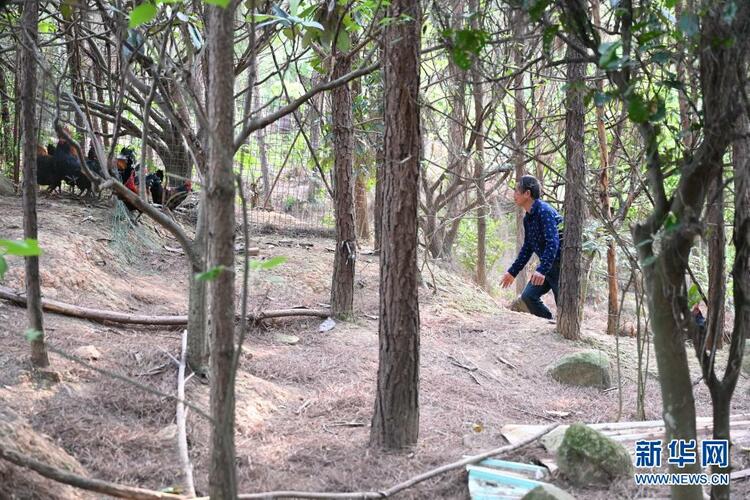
(507, 280)
(537, 278)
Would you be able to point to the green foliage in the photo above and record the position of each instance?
(32, 335)
(464, 44)
(466, 243)
(25, 248)
(211, 274)
(266, 264)
(694, 296)
(142, 14)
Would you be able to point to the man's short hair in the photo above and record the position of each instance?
(529, 183)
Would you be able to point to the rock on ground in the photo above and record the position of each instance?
(547, 492)
(587, 457)
(584, 368)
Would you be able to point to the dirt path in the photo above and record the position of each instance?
(303, 410)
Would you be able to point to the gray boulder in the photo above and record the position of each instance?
(589, 458)
(547, 492)
(6, 187)
(585, 369)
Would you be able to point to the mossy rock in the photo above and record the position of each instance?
(547, 492)
(584, 369)
(6, 187)
(589, 458)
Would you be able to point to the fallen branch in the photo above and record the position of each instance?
(182, 447)
(84, 483)
(58, 307)
(400, 486)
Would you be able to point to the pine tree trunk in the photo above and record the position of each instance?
(342, 286)
(377, 218)
(220, 218)
(6, 151)
(395, 422)
(519, 135)
(612, 293)
(482, 210)
(360, 199)
(569, 305)
(29, 21)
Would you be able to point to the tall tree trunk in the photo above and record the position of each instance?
(378, 209)
(197, 341)
(6, 151)
(482, 210)
(519, 134)
(395, 422)
(29, 21)
(569, 305)
(716, 258)
(342, 286)
(721, 391)
(360, 204)
(16, 123)
(220, 218)
(612, 293)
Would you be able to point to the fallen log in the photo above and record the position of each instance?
(55, 306)
(78, 481)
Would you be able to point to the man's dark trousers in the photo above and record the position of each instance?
(532, 293)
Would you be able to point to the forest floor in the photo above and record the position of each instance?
(303, 411)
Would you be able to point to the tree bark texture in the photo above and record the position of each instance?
(612, 293)
(30, 20)
(721, 392)
(198, 344)
(360, 204)
(716, 259)
(342, 285)
(519, 135)
(220, 220)
(395, 422)
(6, 151)
(569, 306)
(482, 210)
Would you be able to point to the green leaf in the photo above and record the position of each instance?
(46, 27)
(688, 24)
(262, 265)
(219, 3)
(211, 274)
(293, 6)
(536, 8)
(670, 3)
(33, 335)
(694, 295)
(657, 110)
(608, 58)
(601, 98)
(66, 9)
(142, 14)
(343, 42)
(548, 36)
(3, 267)
(637, 109)
(662, 56)
(671, 223)
(25, 248)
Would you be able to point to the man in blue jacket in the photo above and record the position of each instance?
(542, 237)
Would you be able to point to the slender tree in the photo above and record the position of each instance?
(220, 219)
(342, 286)
(395, 422)
(569, 310)
(29, 24)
